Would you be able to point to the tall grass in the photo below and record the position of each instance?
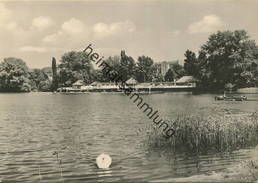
(214, 131)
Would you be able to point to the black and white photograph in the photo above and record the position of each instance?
(128, 91)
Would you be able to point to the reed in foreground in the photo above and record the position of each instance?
(214, 131)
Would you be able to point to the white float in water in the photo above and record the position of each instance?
(103, 160)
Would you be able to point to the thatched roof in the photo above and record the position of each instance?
(131, 81)
(78, 83)
(187, 79)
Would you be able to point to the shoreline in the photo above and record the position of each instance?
(251, 90)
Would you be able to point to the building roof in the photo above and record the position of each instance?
(95, 83)
(78, 83)
(131, 81)
(187, 79)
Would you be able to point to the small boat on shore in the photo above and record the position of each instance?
(231, 97)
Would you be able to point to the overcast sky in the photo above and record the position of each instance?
(163, 30)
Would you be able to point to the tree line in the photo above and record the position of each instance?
(15, 76)
(228, 58)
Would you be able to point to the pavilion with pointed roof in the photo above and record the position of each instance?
(131, 81)
(78, 84)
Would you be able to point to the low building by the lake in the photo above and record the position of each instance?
(78, 84)
(186, 83)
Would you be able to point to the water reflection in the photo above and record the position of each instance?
(104, 173)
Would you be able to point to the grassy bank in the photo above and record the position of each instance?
(218, 131)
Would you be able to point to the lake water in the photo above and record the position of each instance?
(80, 127)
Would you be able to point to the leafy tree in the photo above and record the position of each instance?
(178, 70)
(45, 85)
(36, 76)
(75, 66)
(246, 79)
(191, 63)
(156, 75)
(99, 75)
(255, 80)
(116, 68)
(114, 62)
(127, 69)
(14, 75)
(48, 71)
(228, 57)
(169, 76)
(144, 69)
